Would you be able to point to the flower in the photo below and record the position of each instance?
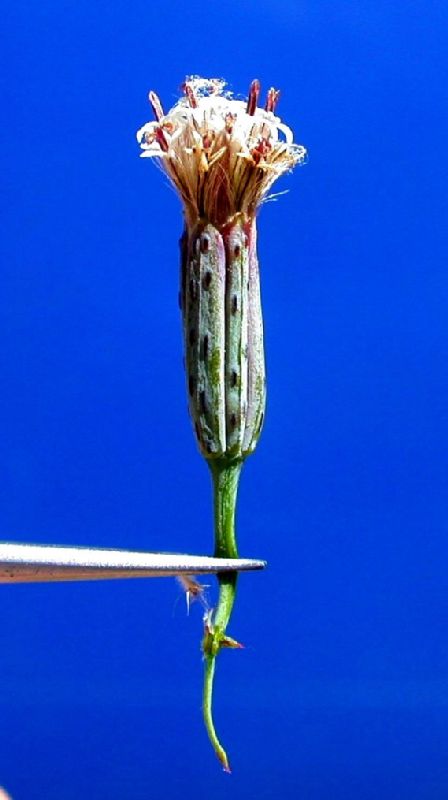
(221, 154)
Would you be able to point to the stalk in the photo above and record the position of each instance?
(225, 488)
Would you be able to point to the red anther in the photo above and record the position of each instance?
(169, 127)
(261, 150)
(190, 95)
(264, 146)
(161, 140)
(208, 139)
(272, 99)
(229, 120)
(252, 100)
(156, 106)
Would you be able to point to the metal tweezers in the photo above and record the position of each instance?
(40, 563)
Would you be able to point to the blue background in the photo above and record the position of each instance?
(342, 691)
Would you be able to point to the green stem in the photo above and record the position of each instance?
(225, 488)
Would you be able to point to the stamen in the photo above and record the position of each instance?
(261, 149)
(156, 105)
(161, 140)
(229, 121)
(190, 95)
(169, 126)
(208, 139)
(252, 100)
(272, 99)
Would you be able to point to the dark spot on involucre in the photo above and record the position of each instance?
(237, 251)
(205, 347)
(198, 431)
(191, 384)
(205, 241)
(207, 280)
(232, 420)
(202, 403)
(234, 303)
(233, 378)
(192, 289)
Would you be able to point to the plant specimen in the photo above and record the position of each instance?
(222, 155)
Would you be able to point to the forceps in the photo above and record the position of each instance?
(41, 563)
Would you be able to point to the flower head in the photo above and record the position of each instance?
(221, 154)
